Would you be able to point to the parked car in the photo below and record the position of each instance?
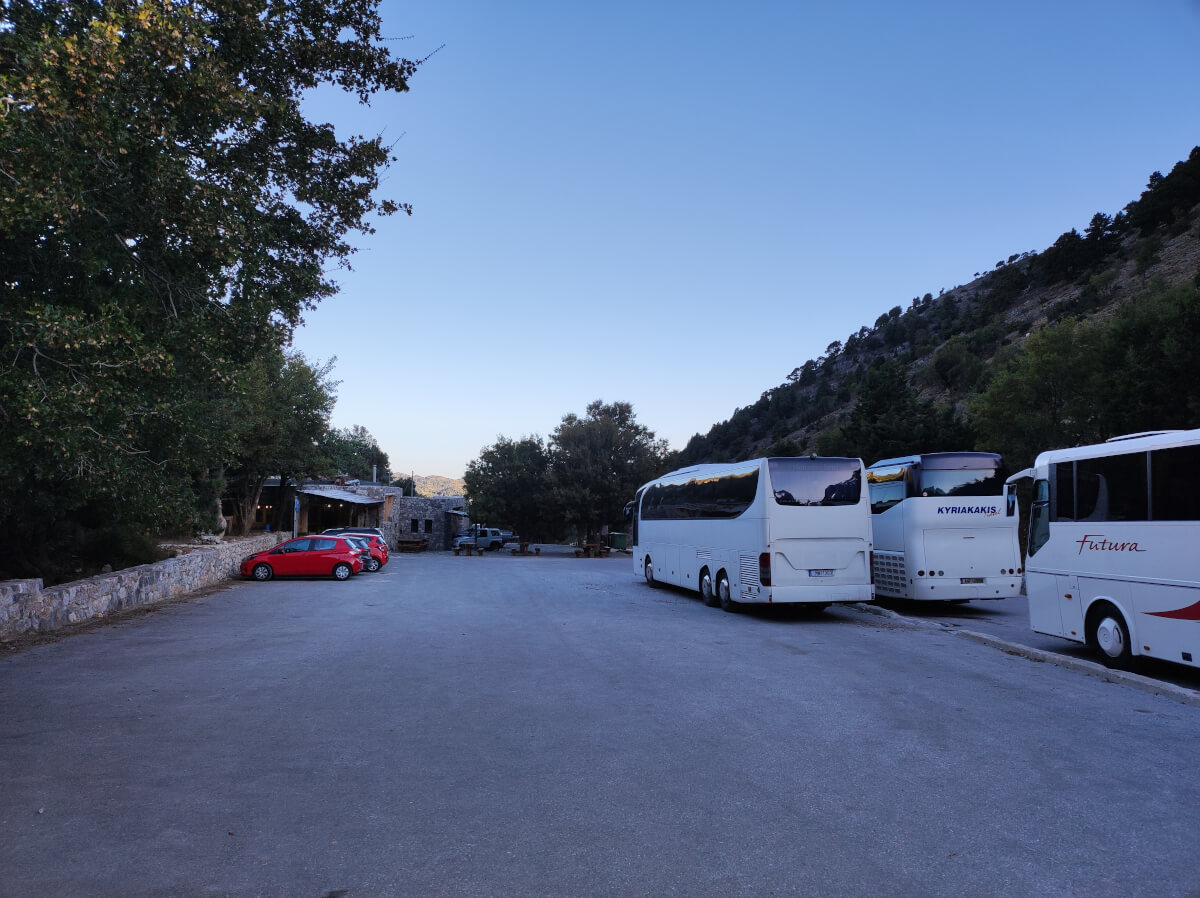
(483, 537)
(378, 542)
(338, 531)
(306, 556)
(373, 557)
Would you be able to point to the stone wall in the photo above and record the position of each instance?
(27, 608)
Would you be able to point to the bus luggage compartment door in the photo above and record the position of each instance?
(836, 567)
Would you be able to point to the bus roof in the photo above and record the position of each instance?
(1123, 445)
(943, 461)
(735, 467)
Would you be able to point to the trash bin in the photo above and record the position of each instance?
(617, 541)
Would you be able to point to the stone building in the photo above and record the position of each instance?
(435, 519)
(322, 506)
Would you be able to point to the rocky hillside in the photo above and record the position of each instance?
(941, 351)
(435, 485)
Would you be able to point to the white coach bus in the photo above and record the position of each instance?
(944, 528)
(780, 530)
(1114, 546)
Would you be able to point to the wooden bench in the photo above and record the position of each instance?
(410, 544)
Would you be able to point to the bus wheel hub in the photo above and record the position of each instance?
(1110, 638)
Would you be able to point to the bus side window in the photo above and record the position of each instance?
(1114, 487)
(1173, 474)
(1064, 491)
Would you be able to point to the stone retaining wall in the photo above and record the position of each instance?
(27, 608)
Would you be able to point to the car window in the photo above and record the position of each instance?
(294, 545)
(322, 545)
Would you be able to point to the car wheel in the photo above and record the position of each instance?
(262, 572)
(648, 573)
(1108, 634)
(342, 571)
(373, 565)
(724, 594)
(706, 589)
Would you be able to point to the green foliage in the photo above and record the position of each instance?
(968, 339)
(166, 214)
(889, 420)
(957, 365)
(1167, 201)
(598, 462)
(1146, 253)
(509, 485)
(581, 480)
(353, 451)
(282, 408)
(1076, 383)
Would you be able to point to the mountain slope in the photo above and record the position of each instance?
(940, 351)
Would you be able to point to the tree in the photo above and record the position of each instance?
(1043, 398)
(598, 462)
(890, 420)
(508, 486)
(284, 408)
(165, 212)
(1075, 383)
(354, 451)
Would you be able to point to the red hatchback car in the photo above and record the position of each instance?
(306, 556)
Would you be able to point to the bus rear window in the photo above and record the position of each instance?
(816, 481)
(986, 482)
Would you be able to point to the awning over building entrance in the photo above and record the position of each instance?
(337, 495)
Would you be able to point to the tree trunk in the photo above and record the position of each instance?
(247, 502)
(220, 521)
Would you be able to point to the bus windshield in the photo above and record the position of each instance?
(816, 481)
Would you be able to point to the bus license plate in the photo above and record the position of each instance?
(971, 580)
(820, 573)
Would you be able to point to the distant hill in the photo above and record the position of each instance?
(930, 360)
(435, 485)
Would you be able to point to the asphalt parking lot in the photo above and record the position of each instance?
(553, 726)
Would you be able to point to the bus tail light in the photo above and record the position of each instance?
(871, 565)
(764, 568)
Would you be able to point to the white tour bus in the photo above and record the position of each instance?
(944, 528)
(794, 530)
(1114, 546)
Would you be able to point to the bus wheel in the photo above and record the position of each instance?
(648, 571)
(706, 589)
(723, 593)
(1108, 633)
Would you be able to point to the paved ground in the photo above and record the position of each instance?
(552, 726)
(1008, 619)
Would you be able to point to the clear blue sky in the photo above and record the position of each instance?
(675, 204)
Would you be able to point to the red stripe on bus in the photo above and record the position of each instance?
(1191, 612)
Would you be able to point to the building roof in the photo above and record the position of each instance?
(339, 495)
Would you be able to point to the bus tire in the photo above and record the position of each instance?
(706, 588)
(1108, 635)
(724, 594)
(648, 573)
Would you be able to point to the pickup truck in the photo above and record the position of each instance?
(483, 537)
